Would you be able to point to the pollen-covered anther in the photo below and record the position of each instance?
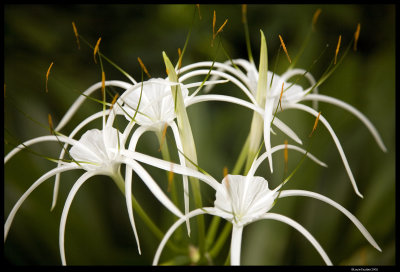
(244, 13)
(280, 98)
(180, 58)
(286, 155)
(219, 29)
(315, 124)
(284, 48)
(50, 121)
(96, 49)
(103, 85)
(76, 34)
(114, 100)
(47, 76)
(315, 17)
(356, 36)
(143, 67)
(337, 48)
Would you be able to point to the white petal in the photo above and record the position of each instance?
(325, 199)
(302, 230)
(335, 139)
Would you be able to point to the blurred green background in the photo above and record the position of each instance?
(98, 230)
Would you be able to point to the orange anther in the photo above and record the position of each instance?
(284, 48)
(114, 100)
(244, 13)
(103, 85)
(315, 125)
(280, 98)
(356, 36)
(337, 48)
(170, 178)
(76, 35)
(180, 58)
(164, 133)
(315, 17)
(47, 76)
(50, 123)
(143, 67)
(286, 156)
(96, 49)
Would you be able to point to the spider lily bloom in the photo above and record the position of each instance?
(99, 153)
(242, 200)
(291, 98)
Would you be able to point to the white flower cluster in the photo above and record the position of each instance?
(158, 103)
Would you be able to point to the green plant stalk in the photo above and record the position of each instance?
(257, 124)
(119, 181)
(188, 146)
(221, 240)
(212, 231)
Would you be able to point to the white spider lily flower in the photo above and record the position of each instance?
(292, 96)
(242, 200)
(99, 153)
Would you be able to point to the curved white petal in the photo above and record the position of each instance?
(65, 211)
(351, 109)
(336, 205)
(78, 102)
(153, 187)
(43, 178)
(173, 228)
(302, 230)
(334, 137)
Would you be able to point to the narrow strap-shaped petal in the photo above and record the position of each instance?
(287, 130)
(336, 205)
(153, 187)
(351, 109)
(223, 98)
(222, 75)
(236, 244)
(128, 198)
(65, 211)
(267, 126)
(184, 177)
(263, 156)
(78, 102)
(334, 137)
(17, 205)
(174, 227)
(169, 166)
(302, 230)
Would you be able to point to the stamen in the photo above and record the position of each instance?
(170, 178)
(284, 48)
(164, 132)
(356, 35)
(315, 125)
(213, 26)
(315, 17)
(114, 100)
(47, 76)
(198, 8)
(96, 49)
(76, 35)
(143, 67)
(103, 85)
(50, 123)
(244, 14)
(180, 58)
(220, 28)
(280, 98)
(337, 48)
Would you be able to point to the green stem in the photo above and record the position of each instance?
(119, 181)
(212, 231)
(221, 240)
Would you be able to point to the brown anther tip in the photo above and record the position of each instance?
(286, 156)
(103, 84)
(47, 76)
(96, 49)
(244, 13)
(114, 100)
(356, 36)
(143, 67)
(315, 17)
(76, 34)
(50, 121)
(198, 8)
(284, 48)
(337, 48)
(315, 125)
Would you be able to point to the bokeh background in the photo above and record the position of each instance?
(98, 229)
